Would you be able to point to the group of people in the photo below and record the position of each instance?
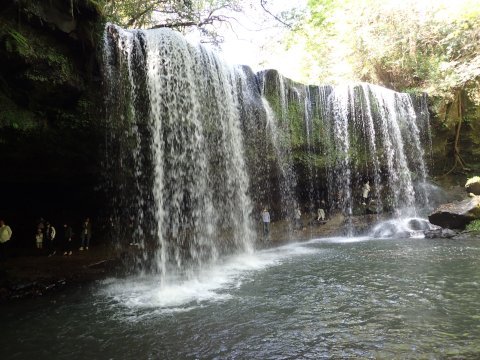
(46, 237)
(321, 216)
(321, 211)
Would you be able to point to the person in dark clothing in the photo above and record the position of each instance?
(86, 234)
(67, 239)
(49, 238)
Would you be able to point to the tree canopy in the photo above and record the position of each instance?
(410, 45)
(207, 17)
(431, 46)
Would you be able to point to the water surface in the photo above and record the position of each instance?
(340, 298)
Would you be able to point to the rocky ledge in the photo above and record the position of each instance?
(473, 185)
(456, 215)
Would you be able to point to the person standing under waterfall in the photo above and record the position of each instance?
(321, 211)
(365, 193)
(266, 223)
(86, 234)
(298, 218)
(67, 239)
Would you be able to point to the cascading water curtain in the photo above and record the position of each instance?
(186, 172)
(192, 140)
(329, 141)
(376, 138)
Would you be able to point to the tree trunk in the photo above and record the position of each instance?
(456, 148)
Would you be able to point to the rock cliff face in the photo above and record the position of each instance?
(456, 215)
(49, 127)
(52, 126)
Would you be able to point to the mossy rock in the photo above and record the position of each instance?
(13, 116)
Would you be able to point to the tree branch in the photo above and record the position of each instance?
(456, 149)
(139, 15)
(263, 4)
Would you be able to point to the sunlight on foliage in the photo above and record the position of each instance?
(431, 46)
(182, 15)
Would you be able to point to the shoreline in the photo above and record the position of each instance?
(34, 276)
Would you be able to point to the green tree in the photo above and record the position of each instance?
(208, 17)
(424, 45)
(429, 46)
(182, 15)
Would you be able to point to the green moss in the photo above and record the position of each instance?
(290, 113)
(95, 6)
(16, 42)
(474, 226)
(15, 117)
(60, 70)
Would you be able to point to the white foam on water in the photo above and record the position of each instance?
(411, 227)
(212, 284)
(339, 240)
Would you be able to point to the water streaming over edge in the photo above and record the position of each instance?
(202, 138)
(195, 165)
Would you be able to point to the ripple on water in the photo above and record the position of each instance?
(321, 299)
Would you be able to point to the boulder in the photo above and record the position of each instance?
(473, 185)
(440, 234)
(456, 215)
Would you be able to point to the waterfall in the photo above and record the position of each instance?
(182, 102)
(353, 133)
(376, 134)
(196, 148)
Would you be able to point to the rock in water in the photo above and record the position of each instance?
(473, 185)
(440, 234)
(456, 215)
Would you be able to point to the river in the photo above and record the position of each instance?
(325, 298)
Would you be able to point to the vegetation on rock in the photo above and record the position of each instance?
(474, 226)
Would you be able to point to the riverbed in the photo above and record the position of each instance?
(325, 298)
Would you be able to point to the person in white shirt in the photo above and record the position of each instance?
(266, 222)
(321, 215)
(365, 192)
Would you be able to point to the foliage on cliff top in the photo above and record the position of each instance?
(431, 46)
